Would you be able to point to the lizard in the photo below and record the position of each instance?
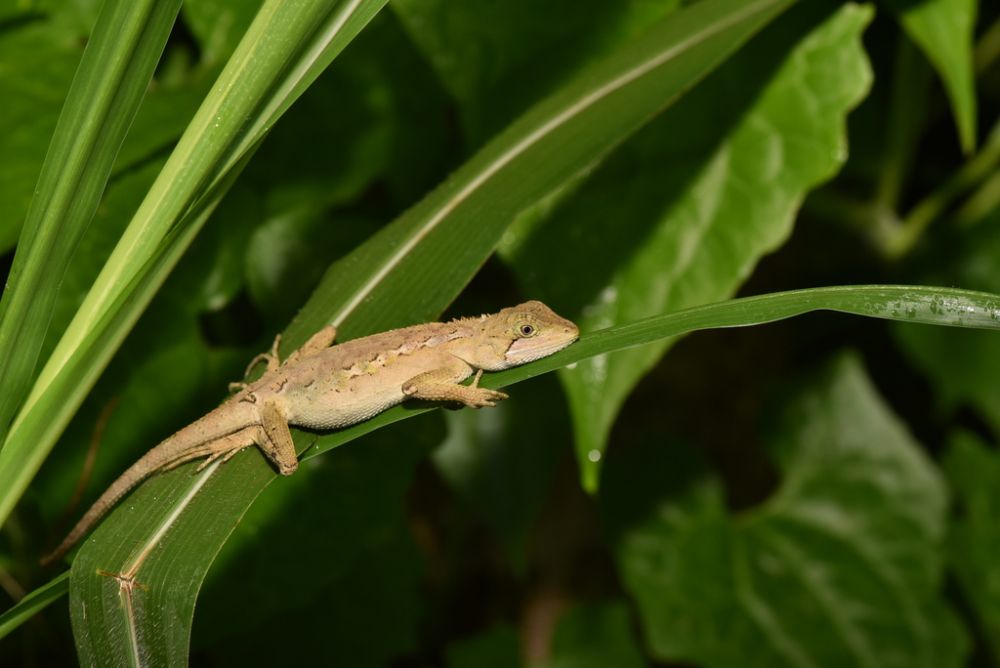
(324, 386)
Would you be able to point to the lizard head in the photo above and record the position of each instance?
(528, 332)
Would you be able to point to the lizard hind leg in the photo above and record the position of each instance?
(227, 446)
(276, 441)
(272, 436)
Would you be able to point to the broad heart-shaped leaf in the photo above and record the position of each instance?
(164, 536)
(974, 471)
(680, 215)
(841, 567)
(944, 31)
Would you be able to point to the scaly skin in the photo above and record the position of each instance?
(321, 386)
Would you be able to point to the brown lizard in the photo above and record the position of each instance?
(326, 386)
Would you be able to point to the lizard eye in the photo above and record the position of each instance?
(525, 330)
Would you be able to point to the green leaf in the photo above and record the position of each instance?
(595, 635)
(361, 604)
(974, 471)
(841, 566)
(110, 82)
(680, 215)
(39, 59)
(497, 58)
(944, 31)
(33, 603)
(497, 648)
(407, 272)
(501, 463)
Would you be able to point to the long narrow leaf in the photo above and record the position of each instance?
(906, 303)
(102, 102)
(285, 49)
(33, 603)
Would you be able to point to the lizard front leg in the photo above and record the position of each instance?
(442, 384)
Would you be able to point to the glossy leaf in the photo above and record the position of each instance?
(842, 565)
(681, 214)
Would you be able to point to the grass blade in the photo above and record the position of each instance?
(33, 603)
(109, 85)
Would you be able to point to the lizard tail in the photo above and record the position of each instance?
(161, 458)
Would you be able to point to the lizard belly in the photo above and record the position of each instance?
(343, 407)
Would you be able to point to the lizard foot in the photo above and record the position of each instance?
(483, 398)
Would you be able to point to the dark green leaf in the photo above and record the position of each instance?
(974, 471)
(497, 648)
(944, 31)
(964, 368)
(31, 604)
(501, 463)
(286, 48)
(498, 58)
(841, 566)
(594, 636)
(328, 558)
